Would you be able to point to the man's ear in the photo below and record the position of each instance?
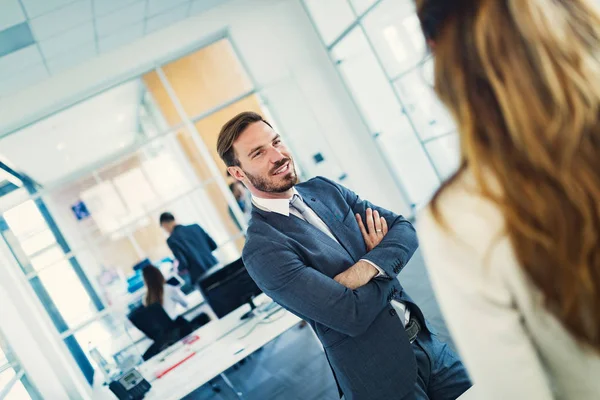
(236, 173)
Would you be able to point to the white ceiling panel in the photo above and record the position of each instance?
(64, 30)
(72, 57)
(10, 13)
(78, 137)
(60, 20)
(35, 8)
(125, 16)
(14, 62)
(103, 7)
(25, 77)
(119, 38)
(160, 6)
(163, 20)
(63, 42)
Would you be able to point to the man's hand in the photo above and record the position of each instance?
(376, 228)
(357, 275)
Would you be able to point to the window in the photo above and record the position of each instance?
(384, 62)
(385, 117)
(14, 383)
(331, 17)
(395, 32)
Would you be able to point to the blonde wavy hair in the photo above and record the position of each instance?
(522, 80)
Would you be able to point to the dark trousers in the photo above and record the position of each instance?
(441, 374)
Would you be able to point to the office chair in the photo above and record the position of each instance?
(154, 322)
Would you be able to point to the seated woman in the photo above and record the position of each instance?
(158, 291)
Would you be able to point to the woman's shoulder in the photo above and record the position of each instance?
(461, 216)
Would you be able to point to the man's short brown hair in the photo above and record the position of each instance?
(231, 131)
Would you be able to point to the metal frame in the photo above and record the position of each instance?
(358, 23)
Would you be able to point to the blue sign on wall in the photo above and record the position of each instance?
(80, 210)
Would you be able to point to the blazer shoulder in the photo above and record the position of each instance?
(320, 183)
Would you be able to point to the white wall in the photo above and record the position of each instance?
(285, 56)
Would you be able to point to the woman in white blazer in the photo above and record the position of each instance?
(512, 240)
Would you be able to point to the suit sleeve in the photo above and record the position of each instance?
(179, 255)
(280, 273)
(397, 247)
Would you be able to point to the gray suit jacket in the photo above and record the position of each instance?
(294, 263)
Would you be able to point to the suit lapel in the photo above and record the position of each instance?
(295, 227)
(344, 234)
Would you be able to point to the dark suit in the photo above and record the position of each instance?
(294, 262)
(193, 248)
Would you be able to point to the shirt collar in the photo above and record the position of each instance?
(279, 206)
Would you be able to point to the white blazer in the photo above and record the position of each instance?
(512, 347)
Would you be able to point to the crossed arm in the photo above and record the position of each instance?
(388, 248)
(310, 294)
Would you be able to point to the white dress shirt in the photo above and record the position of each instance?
(283, 207)
(172, 298)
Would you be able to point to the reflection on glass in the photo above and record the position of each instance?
(10, 367)
(360, 6)
(6, 377)
(110, 337)
(25, 220)
(105, 206)
(331, 17)
(445, 152)
(135, 190)
(395, 33)
(422, 105)
(412, 166)
(166, 177)
(38, 242)
(18, 392)
(384, 116)
(369, 85)
(67, 293)
(47, 258)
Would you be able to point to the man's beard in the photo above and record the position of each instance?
(265, 185)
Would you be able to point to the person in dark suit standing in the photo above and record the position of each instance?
(190, 245)
(332, 259)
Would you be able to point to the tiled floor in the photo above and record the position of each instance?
(293, 367)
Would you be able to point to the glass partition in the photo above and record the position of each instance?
(80, 231)
(382, 57)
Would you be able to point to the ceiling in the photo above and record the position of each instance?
(40, 38)
(72, 140)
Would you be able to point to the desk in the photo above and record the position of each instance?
(222, 344)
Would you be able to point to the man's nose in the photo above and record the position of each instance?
(276, 155)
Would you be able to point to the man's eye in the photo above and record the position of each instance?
(277, 142)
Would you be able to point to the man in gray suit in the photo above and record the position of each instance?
(309, 249)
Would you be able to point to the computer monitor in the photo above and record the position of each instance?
(228, 288)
